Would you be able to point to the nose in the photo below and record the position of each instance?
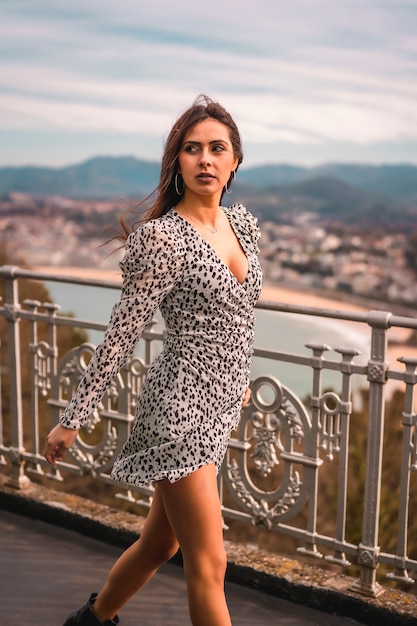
(205, 157)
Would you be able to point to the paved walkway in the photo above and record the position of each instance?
(46, 572)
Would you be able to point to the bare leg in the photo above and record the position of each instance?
(193, 509)
(156, 545)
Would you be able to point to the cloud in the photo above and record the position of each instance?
(301, 72)
(70, 116)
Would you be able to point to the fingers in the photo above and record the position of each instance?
(246, 397)
(58, 440)
(53, 452)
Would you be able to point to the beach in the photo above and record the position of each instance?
(271, 293)
(398, 337)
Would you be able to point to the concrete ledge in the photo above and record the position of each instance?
(248, 566)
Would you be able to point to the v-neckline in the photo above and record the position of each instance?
(213, 251)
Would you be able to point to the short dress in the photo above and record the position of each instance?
(191, 399)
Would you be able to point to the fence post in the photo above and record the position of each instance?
(17, 479)
(368, 555)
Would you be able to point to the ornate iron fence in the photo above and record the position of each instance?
(273, 466)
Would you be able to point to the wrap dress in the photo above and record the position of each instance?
(192, 395)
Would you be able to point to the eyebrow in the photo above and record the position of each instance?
(199, 143)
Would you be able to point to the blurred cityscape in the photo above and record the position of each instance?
(305, 252)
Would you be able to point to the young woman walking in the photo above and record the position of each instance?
(198, 262)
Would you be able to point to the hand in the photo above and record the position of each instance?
(246, 397)
(58, 440)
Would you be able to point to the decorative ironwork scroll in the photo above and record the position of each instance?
(268, 448)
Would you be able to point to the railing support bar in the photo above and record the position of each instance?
(17, 479)
(377, 376)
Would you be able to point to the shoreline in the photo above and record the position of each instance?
(398, 337)
(81, 272)
(270, 292)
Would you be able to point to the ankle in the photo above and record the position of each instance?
(102, 618)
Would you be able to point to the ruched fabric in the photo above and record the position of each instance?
(192, 396)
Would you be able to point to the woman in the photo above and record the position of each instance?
(197, 262)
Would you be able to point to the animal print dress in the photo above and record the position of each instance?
(192, 396)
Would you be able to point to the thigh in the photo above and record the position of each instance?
(157, 533)
(193, 509)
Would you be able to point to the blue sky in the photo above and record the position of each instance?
(308, 81)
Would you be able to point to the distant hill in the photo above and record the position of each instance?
(395, 181)
(351, 193)
(332, 200)
(101, 177)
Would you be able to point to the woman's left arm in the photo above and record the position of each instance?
(246, 397)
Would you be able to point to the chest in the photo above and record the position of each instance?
(230, 252)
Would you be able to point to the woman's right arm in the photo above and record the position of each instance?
(58, 440)
(153, 263)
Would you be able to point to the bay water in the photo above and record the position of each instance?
(284, 332)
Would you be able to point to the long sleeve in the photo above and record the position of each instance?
(152, 265)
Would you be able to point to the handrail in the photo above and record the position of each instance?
(273, 469)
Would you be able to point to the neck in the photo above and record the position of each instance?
(203, 209)
(194, 201)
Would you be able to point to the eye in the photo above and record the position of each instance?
(190, 148)
(218, 148)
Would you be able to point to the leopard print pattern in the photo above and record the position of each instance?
(192, 395)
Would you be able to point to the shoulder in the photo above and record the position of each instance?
(244, 221)
(152, 241)
(158, 235)
(239, 211)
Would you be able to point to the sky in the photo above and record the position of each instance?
(307, 81)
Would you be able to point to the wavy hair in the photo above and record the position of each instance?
(165, 196)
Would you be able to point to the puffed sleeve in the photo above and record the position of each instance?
(152, 265)
(247, 224)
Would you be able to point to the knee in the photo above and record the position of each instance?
(168, 549)
(219, 564)
(163, 550)
(210, 565)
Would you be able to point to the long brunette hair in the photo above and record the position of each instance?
(166, 195)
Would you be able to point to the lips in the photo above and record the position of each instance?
(205, 176)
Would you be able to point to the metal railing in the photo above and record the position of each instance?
(273, 468)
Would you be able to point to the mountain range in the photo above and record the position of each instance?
(349, 191)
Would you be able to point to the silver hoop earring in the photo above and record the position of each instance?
(179, 192)
(232, 177)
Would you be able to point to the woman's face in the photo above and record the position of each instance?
(206, 159)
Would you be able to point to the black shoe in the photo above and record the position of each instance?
(86, 617)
